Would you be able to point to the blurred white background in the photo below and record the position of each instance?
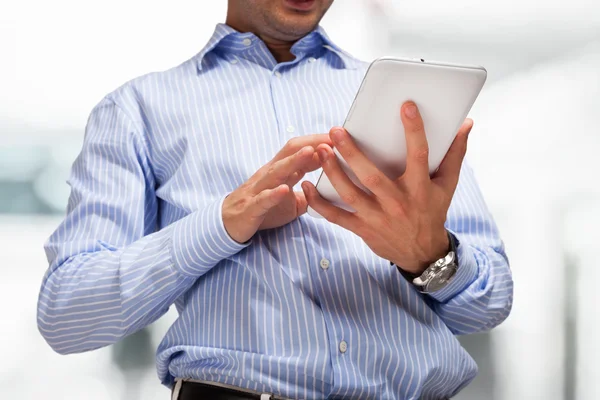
(533, 148)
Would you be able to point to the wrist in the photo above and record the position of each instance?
(438, 273)
(233, 218)
(438, 248)
(193, 255)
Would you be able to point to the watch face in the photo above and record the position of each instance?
(441, 278)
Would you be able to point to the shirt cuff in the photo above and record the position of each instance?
(466, 274)
(200, 241)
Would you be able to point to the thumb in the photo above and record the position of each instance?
(301, 203)
(267, 199)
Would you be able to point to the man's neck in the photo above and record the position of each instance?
(280, 49)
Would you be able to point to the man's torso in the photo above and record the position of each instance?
(274, 316)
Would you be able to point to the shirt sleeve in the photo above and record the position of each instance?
(480, 295)
(110, 271)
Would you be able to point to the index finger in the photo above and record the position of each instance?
(417, 148)
(277, 173)
(297, 143)
(367, 173)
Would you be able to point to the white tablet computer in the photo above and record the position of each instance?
(444, 94)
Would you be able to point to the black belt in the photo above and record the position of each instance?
(189, 390)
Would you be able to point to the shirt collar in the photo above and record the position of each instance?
(229, 39)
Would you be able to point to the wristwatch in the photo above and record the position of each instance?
(439, 273)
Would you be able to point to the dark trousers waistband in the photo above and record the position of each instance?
(199, 390)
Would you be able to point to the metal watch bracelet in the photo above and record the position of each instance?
(439, 273)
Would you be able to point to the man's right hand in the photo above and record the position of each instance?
(267, 199)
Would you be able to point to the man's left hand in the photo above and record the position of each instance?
(401, 220)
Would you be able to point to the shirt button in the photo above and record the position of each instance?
(312, 60)
(278, 74)
(325, 263)
(247, 42)
(291, 129)
(343, 346)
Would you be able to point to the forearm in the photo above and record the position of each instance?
(101, 294)
(94, 299)
(480, 295)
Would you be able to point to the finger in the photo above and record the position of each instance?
(279, 172)
(367, 173)
(346, 189)
(331, 213)
(297, 143)
(449, 171)
(267, 199)
(312, 165)
(301, 203)
(417, 149)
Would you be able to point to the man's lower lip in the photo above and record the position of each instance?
(300, 5)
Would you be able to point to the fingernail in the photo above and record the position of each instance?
(410, 111)
(322, 155)
(337, 134)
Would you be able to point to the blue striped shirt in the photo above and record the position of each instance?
(144, 231)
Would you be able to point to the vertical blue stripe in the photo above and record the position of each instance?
(144, 231)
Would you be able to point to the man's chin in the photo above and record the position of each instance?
(295, 27)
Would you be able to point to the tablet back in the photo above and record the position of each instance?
(444, 94)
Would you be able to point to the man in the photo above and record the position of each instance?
(183, 194)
